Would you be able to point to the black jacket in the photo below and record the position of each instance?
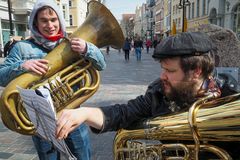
(150, 105)
(138, 44)
(142, 107)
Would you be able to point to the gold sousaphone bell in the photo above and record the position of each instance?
(66, 72)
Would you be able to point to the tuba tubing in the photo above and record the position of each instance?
(207, 120)
(99, 28)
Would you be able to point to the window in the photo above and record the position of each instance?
(169, 7)
(20, 28)
(64, 11)
(236, 21)
(64, 14)
(179, 22)
(189, 12)
(207, 8)
(70, 20)
(168, 21)
(5, 25)
(193, 10)
(70, 3)
(204, 7)
(197, 8)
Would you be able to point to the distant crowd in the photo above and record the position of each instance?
(137, 44)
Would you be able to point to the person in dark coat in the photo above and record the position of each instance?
(138, 46)
(127, 48)
(155, 43)
(8, 46)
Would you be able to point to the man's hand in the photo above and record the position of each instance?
(38, 66)
(69, 119)
(78, 45)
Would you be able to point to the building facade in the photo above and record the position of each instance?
(197, 14)
(167, 17)
(20, 10)
(77, 14)
(140, 25)
(160, 15)
(138, 28)
(159, 18)
(225, 13)
(127, 25)
(151, 19)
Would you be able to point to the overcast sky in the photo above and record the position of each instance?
(119, 7)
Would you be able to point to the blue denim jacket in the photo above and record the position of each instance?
(26, 50)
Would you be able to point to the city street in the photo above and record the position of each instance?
(119, 82)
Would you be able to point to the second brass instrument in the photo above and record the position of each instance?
(206, 121)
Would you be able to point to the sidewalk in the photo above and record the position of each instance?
(119, 82)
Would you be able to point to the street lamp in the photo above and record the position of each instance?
(182, 5)
(10, 17)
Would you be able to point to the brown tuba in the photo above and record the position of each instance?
(206, 121)
(66, 71)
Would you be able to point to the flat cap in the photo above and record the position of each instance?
(184, 44)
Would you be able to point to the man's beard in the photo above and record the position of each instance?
(182, 94)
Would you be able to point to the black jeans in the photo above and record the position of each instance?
(126, 55)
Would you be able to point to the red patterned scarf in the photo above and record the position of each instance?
(56, 37)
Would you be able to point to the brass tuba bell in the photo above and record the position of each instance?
(66, 71)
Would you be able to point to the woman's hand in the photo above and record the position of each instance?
(78, 45)
(38, 66)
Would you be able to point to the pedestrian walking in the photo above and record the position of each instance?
(155, 42)
(8, 46)
(132, 44)
(138, 46)
(107, 50)
(127, 48)
(1, 52)
(148, 45)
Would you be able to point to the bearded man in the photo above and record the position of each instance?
(187, 63)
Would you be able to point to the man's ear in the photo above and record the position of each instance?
(197, 73)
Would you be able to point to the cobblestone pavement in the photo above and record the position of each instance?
(119, 82)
